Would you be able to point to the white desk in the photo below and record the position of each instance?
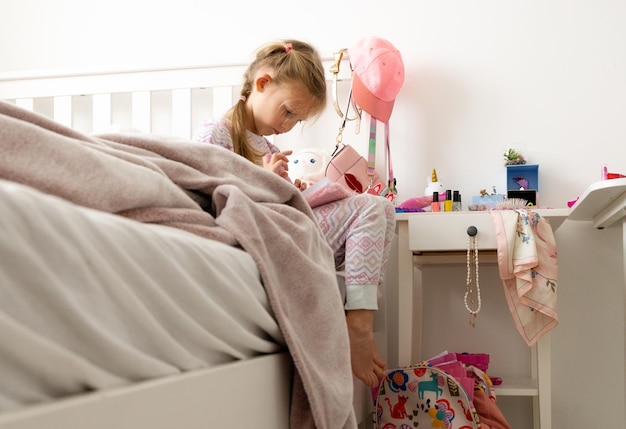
(422, 236)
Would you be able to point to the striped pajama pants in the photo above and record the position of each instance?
(359, 229)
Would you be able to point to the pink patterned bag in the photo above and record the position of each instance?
(423, 396)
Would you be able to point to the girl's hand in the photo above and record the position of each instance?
(278, 163)
(299, 184)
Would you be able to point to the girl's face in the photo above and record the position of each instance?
(277, 108)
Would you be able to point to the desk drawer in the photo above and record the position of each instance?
(442, 232)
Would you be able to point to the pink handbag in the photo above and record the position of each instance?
(351, 170)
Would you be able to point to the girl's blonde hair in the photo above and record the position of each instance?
(290, 60)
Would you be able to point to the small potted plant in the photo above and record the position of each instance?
(519, 175)
(513, 157)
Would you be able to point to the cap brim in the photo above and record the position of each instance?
(377, 108)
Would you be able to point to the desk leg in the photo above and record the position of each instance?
(407, 336)
(624, 267)
(542, 405)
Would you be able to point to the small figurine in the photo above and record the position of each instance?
(433, 185)
(390, 192)
(484, 193)
(521, 182)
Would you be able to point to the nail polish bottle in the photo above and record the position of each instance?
(456, 201)
(447, 204)
(435, 206)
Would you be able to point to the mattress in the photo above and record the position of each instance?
(90, 300)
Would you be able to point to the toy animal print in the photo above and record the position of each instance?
(430, 385)
(422, 396)
(398, 410)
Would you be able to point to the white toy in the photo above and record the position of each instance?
(433, 185)
(308, 165)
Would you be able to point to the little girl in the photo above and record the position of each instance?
(284, 85)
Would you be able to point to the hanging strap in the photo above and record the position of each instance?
(339, 139)
(391, 176)
(371, 156)
(334, 70)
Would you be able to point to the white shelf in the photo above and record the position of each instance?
(518, 387)
(603, 202)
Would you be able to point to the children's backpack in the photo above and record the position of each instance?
(423, 396)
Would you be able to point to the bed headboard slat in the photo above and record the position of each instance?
(101, 113)
(25, 103)
(181, 121)
(63, 109)
(141, 111)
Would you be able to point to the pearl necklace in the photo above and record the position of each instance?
(474, 298)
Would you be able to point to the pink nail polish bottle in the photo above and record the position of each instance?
(435, 206)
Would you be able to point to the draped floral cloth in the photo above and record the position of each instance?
(527, 263)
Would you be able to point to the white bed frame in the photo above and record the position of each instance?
(206, 398)
(165, 101)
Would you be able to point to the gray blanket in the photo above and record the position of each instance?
(216, 194)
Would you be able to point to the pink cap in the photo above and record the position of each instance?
(378, 74)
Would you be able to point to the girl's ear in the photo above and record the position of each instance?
(262, 81)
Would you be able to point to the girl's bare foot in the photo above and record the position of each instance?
(367, 364)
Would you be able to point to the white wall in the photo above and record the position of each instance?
(545, 77)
